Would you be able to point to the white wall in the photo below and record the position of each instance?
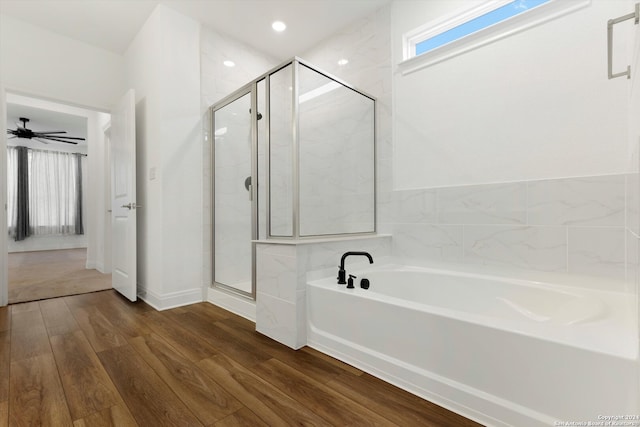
(39, 62)
(534, 105)
(142, 59)
(163, 67)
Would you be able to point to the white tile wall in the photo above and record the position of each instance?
(587, 201)
(483, 204)
(414, 206)
(633, 202)
(536, 248)
(573, 225)
(277, 319)
(277, 271)
(427, 241)
(598, 251)
(632, 267)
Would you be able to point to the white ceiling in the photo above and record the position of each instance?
(112, 24)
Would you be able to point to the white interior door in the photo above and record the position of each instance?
(123, 197)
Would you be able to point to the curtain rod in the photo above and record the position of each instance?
(46, 151)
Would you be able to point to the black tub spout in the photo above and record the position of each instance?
(341, 271)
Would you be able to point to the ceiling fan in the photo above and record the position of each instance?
(23, 132)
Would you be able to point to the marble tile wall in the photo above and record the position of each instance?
(573, 225)
(632, 233)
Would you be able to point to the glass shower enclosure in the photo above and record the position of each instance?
(293, 158)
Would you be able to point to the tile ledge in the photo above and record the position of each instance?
(319, 240)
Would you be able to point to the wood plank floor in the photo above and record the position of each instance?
(98, 360)
(49, 274)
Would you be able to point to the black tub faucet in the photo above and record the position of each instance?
(342, 273)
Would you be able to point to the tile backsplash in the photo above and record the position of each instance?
(574, 225)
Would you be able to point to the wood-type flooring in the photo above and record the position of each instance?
(49, 274)
(97, 360)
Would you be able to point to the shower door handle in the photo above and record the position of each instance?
(610, 23)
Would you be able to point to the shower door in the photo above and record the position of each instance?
(234, 196)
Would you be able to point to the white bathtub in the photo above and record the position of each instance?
(500, 351)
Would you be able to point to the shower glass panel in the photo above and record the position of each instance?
(336, 157)
(281, 152)
(233, 217)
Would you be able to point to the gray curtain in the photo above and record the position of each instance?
(79, 219)
(23, 229)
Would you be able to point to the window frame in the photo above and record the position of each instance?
(542, 13)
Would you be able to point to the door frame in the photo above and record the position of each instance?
(252, 89)
(106, 196)
(4, 250)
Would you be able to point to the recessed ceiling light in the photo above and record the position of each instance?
(279, 26)
(228, 63)
(343, 61)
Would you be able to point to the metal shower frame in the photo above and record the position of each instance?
(252, 88)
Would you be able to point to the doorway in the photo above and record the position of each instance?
(59, 259)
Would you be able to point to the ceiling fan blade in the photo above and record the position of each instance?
(55, 139)
(50, 131)
(41, 140)
(12, 137)
(38, 134)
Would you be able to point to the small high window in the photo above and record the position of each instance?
(475, 24)
(443, 38)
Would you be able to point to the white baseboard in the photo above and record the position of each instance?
(95, 265)
(233, 303)
(47, 243)
(169, 300)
